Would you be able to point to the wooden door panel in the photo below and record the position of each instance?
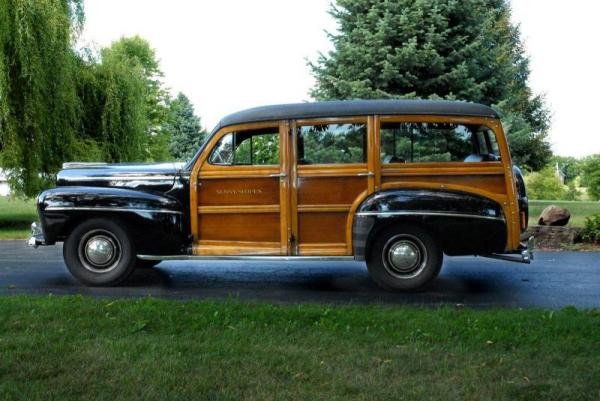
(239, 191)
(329, 190)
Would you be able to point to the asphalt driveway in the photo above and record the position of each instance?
(553, 280)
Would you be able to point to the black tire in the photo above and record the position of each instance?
(146, 264)
(99, 252)
(404, 258)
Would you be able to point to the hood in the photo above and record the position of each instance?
(152, 176)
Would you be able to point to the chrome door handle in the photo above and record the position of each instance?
(280, 175)
(369, 174)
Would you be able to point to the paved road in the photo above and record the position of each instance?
(553, 280)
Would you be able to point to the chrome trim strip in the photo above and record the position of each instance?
(122, 178)
(429, 213)
(241, 257)
(108, 209)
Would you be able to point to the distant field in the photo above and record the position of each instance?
(579, 210)
(16, 216)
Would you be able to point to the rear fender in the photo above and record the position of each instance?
(461, 223)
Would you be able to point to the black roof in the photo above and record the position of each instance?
(347, 108)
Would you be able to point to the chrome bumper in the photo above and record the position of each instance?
(37, 236)
(523, 255)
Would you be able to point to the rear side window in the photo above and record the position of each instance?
(409, 142)
(332, 144)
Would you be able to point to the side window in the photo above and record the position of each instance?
(332, 143)
(250, 148)
(437, 142)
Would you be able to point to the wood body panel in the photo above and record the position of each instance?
(291, 209)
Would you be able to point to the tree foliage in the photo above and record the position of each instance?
(184, 129)
(136, 54)
(466, 50)
(545, 184)
(591, 176)
(39, 107)
(58, 104)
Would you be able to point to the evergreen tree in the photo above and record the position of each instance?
(39, 106)
(466, 50)
(184, 127)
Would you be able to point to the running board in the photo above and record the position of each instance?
(249, 257)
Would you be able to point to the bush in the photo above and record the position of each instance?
(591, 175)
(591, 230)
(545, 185)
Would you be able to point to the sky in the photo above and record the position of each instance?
(228, 55)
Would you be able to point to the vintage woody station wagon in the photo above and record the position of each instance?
(395, 183)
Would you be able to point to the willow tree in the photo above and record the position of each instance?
(466, 50)
(39, 106)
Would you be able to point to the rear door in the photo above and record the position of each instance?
(331, 174)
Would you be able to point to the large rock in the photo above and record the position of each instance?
(554, 216)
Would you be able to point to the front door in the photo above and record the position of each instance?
(331, 174)
(240, 186)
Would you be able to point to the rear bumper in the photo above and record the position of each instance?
(37, 236)
(524, 254)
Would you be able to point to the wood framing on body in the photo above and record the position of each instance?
(295, 209)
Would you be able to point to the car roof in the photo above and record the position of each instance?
(348, 108)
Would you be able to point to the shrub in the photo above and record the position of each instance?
(591, 229)
(545, 185)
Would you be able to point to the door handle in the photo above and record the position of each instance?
(280, 175)
(369, 174)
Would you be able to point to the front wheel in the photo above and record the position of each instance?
(404, 258)
(99, 252)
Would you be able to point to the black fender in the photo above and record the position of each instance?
(155, 221)
(461, 223)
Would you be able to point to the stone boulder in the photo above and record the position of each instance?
(554, 216)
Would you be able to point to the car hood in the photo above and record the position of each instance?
(152, 176)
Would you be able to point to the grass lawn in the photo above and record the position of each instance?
(16, 215)
(75, 348)
(579, 210)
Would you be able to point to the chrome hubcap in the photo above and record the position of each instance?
(403, 256)
(99, 250)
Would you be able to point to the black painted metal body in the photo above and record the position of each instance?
(151, 200)
(461, 223)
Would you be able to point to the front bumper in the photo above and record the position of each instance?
(37, 236)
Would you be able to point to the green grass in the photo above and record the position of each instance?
(16, 216)
(75, 348)
(579, 210)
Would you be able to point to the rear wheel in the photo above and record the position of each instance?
(404, 258)
(99, 252)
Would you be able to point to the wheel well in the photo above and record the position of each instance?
(76, 221)
(380, 227)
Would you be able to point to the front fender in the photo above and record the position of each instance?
(461, 223)
(155, 221)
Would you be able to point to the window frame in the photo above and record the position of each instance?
(367, 149)
(492, 124)
(233, 131)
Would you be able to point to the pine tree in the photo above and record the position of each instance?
(466, 50)
(184, 127)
